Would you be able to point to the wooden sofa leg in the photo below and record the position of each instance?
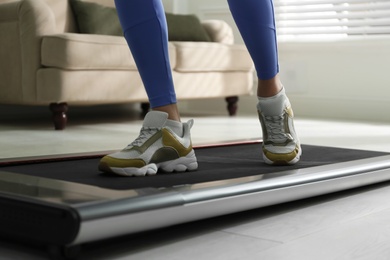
(232, 105)
(59, 115)
(145, 107)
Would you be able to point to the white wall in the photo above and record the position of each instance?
(175, 6)
(347, 79)
(169, 5)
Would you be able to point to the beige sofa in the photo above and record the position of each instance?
(45, 61)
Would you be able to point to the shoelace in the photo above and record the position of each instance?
(275, 127)
(145, 134)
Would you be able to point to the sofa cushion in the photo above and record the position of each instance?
(186, 28)
(210, 56)
(93, 18)
(73, 51)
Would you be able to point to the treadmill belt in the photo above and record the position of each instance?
(215, 163)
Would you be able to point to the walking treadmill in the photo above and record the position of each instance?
(66, 214)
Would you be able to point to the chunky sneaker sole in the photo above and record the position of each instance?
(156, 148)
(281, 145)
(182, 164)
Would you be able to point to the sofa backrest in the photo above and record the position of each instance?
(64, 15)
(65, 20)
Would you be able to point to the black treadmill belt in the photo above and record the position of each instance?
(215, 163)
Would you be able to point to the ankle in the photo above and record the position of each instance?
(172, 111)
(269, 87)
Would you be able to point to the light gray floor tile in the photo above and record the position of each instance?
(334, 211)
(215, 245)
(365, 238)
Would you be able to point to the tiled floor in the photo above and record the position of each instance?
(347, 225)
(29, 134)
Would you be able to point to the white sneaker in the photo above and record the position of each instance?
(157, 147)
(281, 145)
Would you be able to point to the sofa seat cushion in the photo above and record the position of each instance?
(210, 56)
(73, 51)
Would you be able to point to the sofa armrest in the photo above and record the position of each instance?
(219, 31)
(22, 25)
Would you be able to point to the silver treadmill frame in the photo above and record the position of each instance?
(108, 213)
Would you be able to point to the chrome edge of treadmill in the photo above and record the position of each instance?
(192, 202)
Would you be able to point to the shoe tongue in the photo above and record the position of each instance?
(155, 119)
(273, 106)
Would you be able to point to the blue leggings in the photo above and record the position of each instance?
(145, 29)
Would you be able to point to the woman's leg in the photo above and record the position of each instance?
(145, 29)
(256, 22)
(164, 142)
